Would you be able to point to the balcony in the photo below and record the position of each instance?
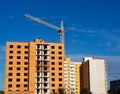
(46, 47)
(42, 58)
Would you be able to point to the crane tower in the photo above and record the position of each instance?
(59, 29)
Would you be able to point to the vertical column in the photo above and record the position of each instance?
(32, 66)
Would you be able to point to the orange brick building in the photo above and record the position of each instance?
(34, 67)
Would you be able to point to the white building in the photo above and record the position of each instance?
(94, 75)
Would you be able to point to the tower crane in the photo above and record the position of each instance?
(60, 29)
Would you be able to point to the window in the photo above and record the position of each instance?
(17, 85)
(18, 74)
(25, 90)
(25, 68)
(60, 85)
(45, 68)
(25, 80)
(45, 63)
(45, 52)
(10, 57)
(45, 84)
(53, 91)
(18, 63)
(53, 68)
(25, 85)
(53, 85)
(60, 53)
(60, 63)
(10, 51)
(45, 73)
(53, 52)
(18, 46)
(45, 90)
(60, 79)
(25, 57)
(60, 74)
(18, 52)
(53, 47)
(45, 57)
(10, 79)
(26, 47)
(26, 52)
(38, 68)
(45, 46)
(53, 63)
(53, 79)
(10, 62)
(60, 58)
(9, 85)
(25, 63)
(60, 47)
(18, 68)
(38, 63)
(11, 46)
(60, 68)
(10, 68)
(38, 58)
(53, 74)
(45, 79)
(53, 57)
(18, 79)
(10, 74)
(18, 57)
(25, 74)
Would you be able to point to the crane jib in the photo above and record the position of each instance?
(60, 29)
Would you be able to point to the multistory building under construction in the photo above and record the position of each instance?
(72, 76)
(34, 67)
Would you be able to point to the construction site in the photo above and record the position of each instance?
(39, 67)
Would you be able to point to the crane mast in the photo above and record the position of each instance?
(60, 29)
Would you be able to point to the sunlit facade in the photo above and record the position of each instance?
(93, 72)
(34, 67)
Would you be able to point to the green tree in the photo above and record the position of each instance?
(61, 91)
(1, 92)
(86, 91)
(117, 91)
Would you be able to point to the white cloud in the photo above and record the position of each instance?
(74, 28)
(76, 57)
(108, 44)
(74, 40)
(2, 48)
(2, 52)
(116, 31)
(112, 64)
(2, 57)
(10, 16)
(117, 48)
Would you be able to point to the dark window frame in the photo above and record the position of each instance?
(10, 57)
(11, 51)
(17, 85)
(11, 46)
(18, 52)
(59, 47)
(53, 47)
(18, 46)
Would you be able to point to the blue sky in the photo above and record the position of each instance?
(92, 28)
